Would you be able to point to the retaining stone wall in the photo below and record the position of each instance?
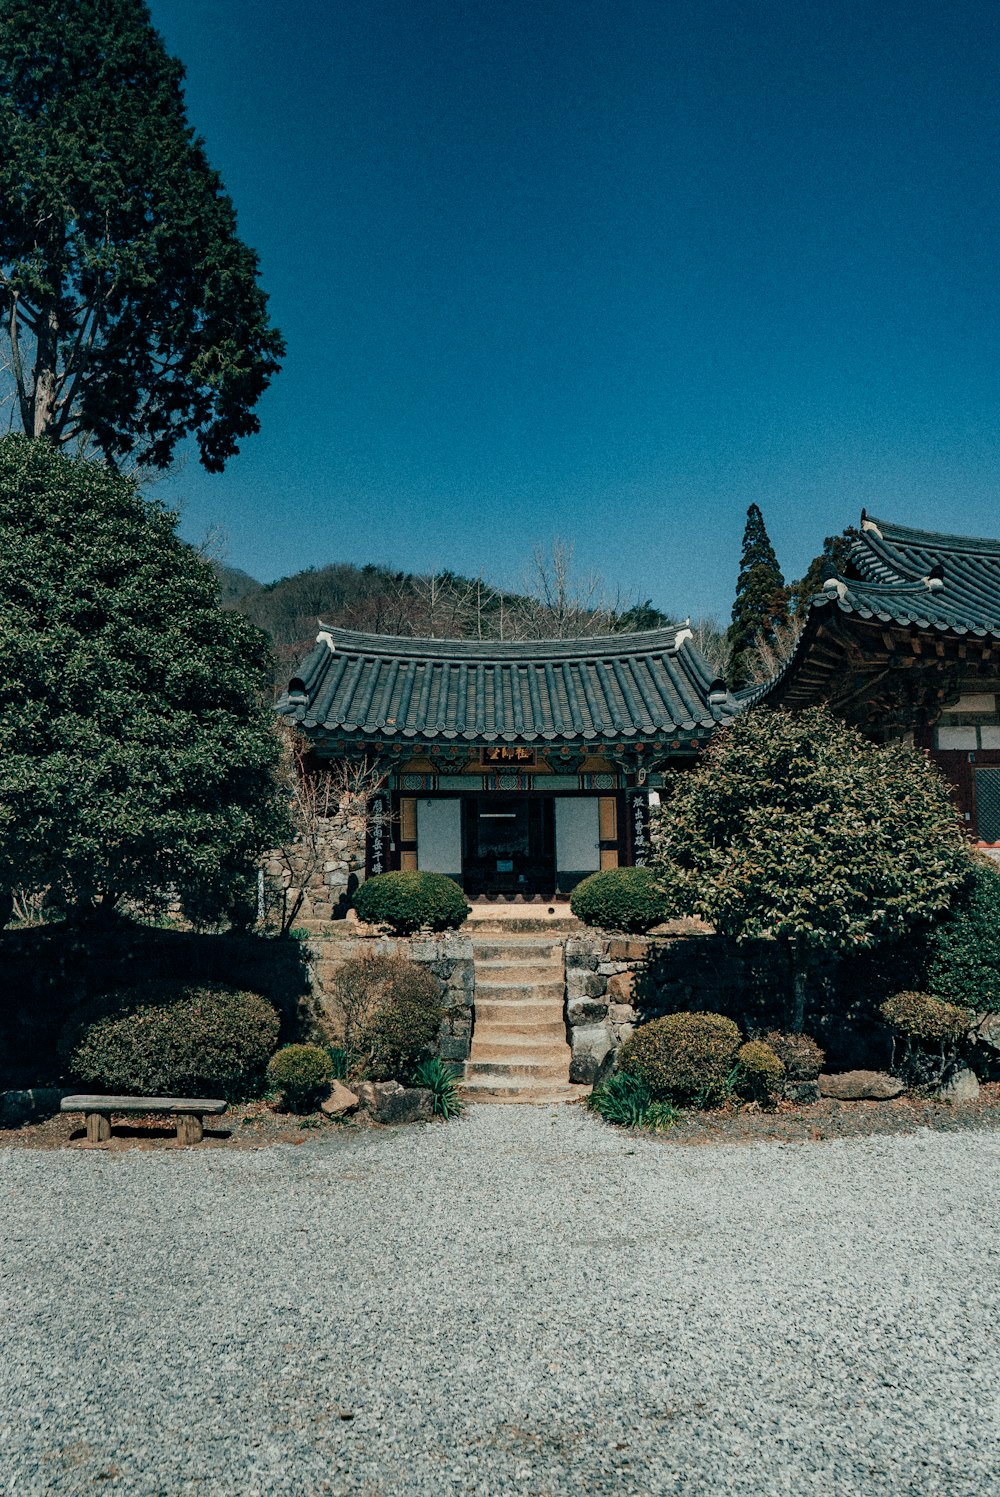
(612, 981)
(449, 957)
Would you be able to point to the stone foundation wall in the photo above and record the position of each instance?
(448, 956)
(326, 876)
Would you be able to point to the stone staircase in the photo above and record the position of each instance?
(519, 1047)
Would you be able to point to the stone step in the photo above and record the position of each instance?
(507, 1049)
(522, 1036)
(533, 1070)
(522, 950)
(500, 969)
(511, 1013)
(538, 1094)
(500, 992)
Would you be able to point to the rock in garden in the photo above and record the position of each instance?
(802, 1092)
(388, 1102)
(962, 1087)
(986, 1031)
(861, 1086)
(340, 1100)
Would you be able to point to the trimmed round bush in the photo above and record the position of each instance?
(964, 949)
(392, 1011)
(918, 1016)
(174, 1039)
(406, 902)
(301, 1073)
(684, 1058)
(627, 899)
(800, 1055)
(759, 1072)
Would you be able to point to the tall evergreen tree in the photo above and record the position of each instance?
(761, 600)
(131, 312)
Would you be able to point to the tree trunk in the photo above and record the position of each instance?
(45, 374)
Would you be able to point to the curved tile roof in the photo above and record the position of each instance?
(614, 687)
(895, 563)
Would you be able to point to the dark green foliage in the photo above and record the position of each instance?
(628, 899)
(800, 1055)
(136, 751)
(964, 949)
(130, 308)
(798, 831)
(301, 1073)
(758, 1073)
(406, 902)
(172, 1039)
(443, 1081)
(921, 1017)
(761, 600)
(340, 1062)
(392, 1013)
(625, 1100)
(835, 550)
(931, 1032)
(684, 1058)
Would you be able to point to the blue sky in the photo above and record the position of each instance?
(605, 269)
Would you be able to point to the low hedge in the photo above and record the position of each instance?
(759, 1072)
(918, 1016)
(392, 1011)
(172, 1038)
(408, 902)
(301, 1073)
(684, 1058)
(625, 899)
(800, 1055)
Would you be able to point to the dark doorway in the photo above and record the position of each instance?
(509, 846)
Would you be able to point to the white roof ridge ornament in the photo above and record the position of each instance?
(870, 526)
(324, 637)
(684, 632)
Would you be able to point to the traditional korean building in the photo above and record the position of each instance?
(516, 768)
(904, 641)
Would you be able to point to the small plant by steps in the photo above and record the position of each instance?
(442, 1081)
(625, 1100)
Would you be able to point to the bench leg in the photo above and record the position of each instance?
(98, 1127)
(189, 1128)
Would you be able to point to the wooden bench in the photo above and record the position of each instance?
(188, 1111)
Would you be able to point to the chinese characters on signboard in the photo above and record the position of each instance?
(507, 753)
(639, 814)
(378, 835)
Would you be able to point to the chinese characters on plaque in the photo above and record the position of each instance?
(506, 753)
(639, 813)
(378, 828)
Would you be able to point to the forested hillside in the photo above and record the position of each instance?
(380, 601)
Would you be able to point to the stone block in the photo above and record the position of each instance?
(636, 949)
(620, 987)
(861, 1086)
(30, 1105)
(340, 1101)
(590, 1045)
(585, 1010)
(455, 1046)
(802, 1092)
(388, 1102)
(961, 1087)
(581, 953)
(581, 984)
(621, 1013)
(624, 1032)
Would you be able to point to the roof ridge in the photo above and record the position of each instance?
(643, 642)
(948, 540)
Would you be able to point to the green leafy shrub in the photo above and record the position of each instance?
(759, 1073)
(628, 899)
(931, 1031)
(392, 1012)
(800, 1055)
(172, 1038)
(625, 1100)
(442, 1081)
(964, 965)
(340, 1062)
(411, 901)
(301, 1073)
(684, 1058)
(918, 1016)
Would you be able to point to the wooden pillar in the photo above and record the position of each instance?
(189, 1128)
(98, 1127)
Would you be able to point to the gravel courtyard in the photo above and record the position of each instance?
(523, 1301)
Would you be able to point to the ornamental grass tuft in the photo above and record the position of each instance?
(625, 1100)
(443, 1082)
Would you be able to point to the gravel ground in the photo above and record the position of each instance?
(524, 1301)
